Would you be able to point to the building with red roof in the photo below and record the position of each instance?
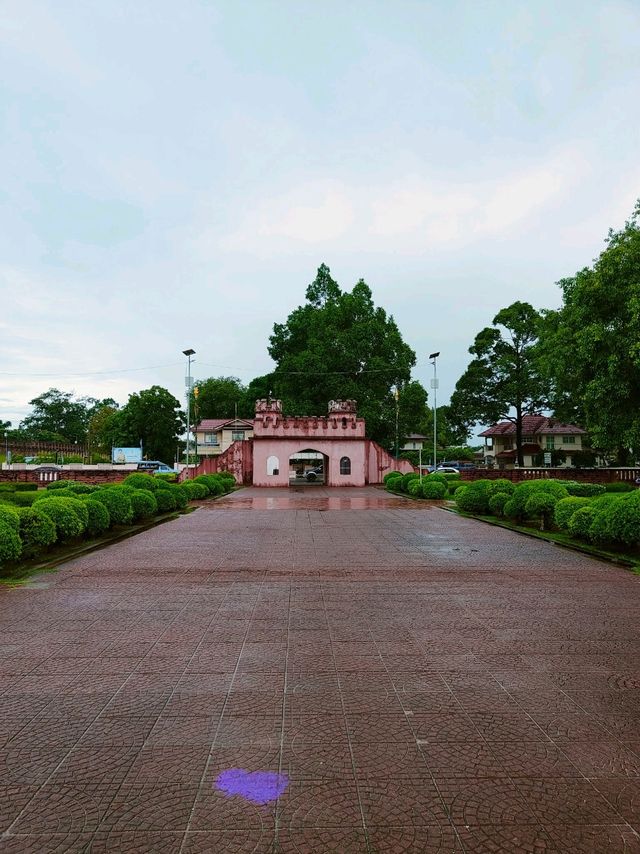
(540, 434)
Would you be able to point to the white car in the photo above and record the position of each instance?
(447, 470)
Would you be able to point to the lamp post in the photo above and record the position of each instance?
(188, 354)
(434, 386)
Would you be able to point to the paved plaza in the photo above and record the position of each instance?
(322, 671)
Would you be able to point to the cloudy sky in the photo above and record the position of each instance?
(175, 172)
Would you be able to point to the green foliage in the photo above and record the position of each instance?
(98, 515)
(37, 530)
(620, 486)
(218, 397)
(79, 488)
(179, 494)
(391, 474)
(599, 530)
(395, 483)
(414, 487)
(583, 490)
(153, 416)
(502, 485)
(117, 503)
(406, 480)
(592, 349)
(8, 487)
(438, 477)
(474, 498)
(26, 487)
(516, 508)
(64, 514)
(541, 505)
(143, 503)
(497, 502)
(580, 522)
(9, 516)
(566, 507)
(623, 520)
(504, 376)
(166, 501)
(59, 484)
(340, 346)
(212, 482)
(139, 480)
(10, 543)
(20, 499)
(433, 489)
(195, 491)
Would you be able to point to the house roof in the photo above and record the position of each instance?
(218, 423)
(416, 436)
(534, 425)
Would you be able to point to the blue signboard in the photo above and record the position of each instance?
(126, 455)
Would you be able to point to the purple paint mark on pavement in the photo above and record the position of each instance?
(257, 786)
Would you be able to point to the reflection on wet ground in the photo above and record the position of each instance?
(317, 498)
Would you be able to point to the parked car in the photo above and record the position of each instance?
(314, 474)
(447, 470)
(155, 467)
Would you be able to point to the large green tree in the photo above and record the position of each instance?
(152, 416)
(57, 417)
(339, 345)
(219, 397)
(591, 346)
(503, 382)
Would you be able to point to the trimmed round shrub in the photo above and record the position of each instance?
(139, 480)
(165, 500)
(523, 491)
(497, 502)
(541, 505)
(438, 477)
(406, 480)
(25, 487)
(580, 521)
(80, 488)
(415, 488)
(8, 487)
(118, 504)
(474, 498)
(143, 503)
(395, 483)
(99, 519)
(10, 543)
(599, 531)
(623, 521)
(9, 515)
(64, 516)
(195, 491)
(181, 497)
(433, 489)
(80, 509)
(214, 484)
(37, 530)
(565, 508)
(501, 484)
(391, 474)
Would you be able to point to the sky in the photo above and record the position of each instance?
(173, 174)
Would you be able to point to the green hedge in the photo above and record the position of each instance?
(99, 518)
(566, 507)
(64, 516)
(9, 516)
(143, 504)
(37, 530)
(117, 503)
(10, 543)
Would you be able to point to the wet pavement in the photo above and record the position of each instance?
(322, 670)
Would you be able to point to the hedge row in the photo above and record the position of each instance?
(434, 486)
(67, 510)
(586, 511)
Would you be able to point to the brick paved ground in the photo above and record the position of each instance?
(426, 684)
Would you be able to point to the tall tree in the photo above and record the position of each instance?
(503, 381)
(218, 397)
(152, 416)
(339, 345)
(57, 417)
(591, 346)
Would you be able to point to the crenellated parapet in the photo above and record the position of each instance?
(341, 422)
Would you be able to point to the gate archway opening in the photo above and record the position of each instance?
(308, 468)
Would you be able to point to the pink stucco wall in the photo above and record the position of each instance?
(284, 448)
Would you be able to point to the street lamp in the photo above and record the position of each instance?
(397, 397)
(188, 354)
(434, 386)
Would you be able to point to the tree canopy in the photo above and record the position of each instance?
(57, 417)
(152, 416)
(591, 346)
(503, 381)
(218, 397)
(339, 345)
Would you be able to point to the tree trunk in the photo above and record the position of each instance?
(520, 456)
